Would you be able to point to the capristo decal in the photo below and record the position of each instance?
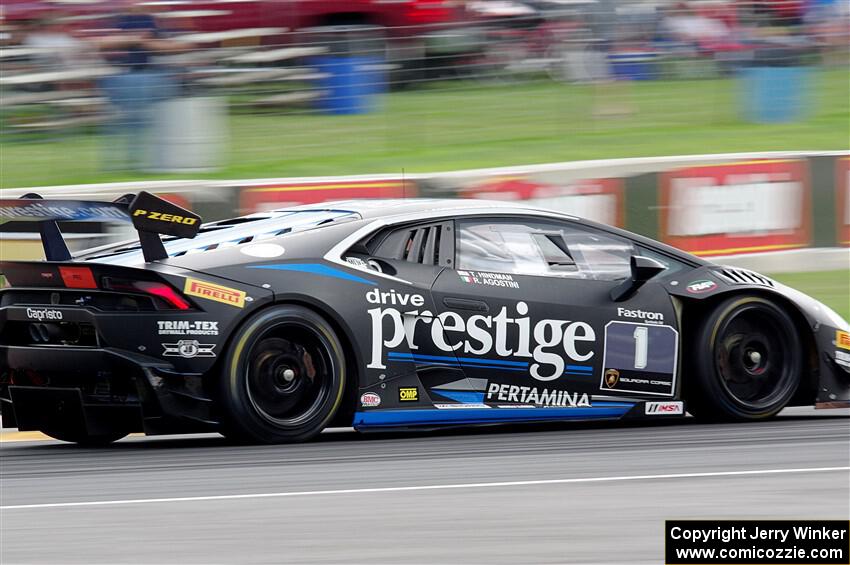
(188, 348)
(186, 327)
(699, 287)
(546, 342)
(42, 314)
(536, 396)
(488, 279)
(842, 359)
(215, 292)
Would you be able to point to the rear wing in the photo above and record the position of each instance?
(150, 215)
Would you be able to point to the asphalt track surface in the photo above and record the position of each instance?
(554, 494)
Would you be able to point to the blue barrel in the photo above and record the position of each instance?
(775, 86)
(774, 94)
(350, 83)
(352, 67)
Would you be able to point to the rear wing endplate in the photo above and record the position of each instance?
(150, 215)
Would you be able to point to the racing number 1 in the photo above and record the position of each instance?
(641, 336)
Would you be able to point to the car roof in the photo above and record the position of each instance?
(390, 207)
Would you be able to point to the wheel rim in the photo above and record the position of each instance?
(288, 375)
(754, 356)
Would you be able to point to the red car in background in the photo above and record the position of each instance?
(413, 30)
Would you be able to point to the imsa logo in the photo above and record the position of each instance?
(408, 394)
(664, 408)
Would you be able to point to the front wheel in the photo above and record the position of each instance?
(745, 361)
(284, 377)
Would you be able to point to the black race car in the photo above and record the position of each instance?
(391, 314)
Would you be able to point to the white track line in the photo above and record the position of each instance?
(426, 487)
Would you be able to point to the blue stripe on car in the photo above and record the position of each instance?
(316, 269)
(389, 418)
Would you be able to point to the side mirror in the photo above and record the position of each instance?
(643, 269)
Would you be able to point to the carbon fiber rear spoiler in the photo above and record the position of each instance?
(150, 215)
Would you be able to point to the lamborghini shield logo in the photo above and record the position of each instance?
(612, 377)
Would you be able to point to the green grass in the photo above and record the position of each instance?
(830, 287)
(455, 125)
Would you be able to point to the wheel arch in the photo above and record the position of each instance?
(345, 413)
(694, 309)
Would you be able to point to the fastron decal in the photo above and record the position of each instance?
(640, 314)
(542, 341)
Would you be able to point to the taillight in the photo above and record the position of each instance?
(77, 277)
(160, 290)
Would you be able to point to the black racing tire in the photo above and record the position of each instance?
(745, 359)
(283, 377)
(84, 439)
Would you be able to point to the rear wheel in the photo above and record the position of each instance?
(746, 361)
(283, 377)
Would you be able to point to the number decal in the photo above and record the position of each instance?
(639, 359)
(641, 336)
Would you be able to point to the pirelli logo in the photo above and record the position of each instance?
(842, 339)
(215, 292)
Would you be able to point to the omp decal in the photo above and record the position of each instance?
(408, 394)
(214, 292)
(483, 415)
(169, 218)
(188, 348)
(316, 269)
(842, 339)
(480, 335)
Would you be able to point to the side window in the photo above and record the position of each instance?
(541, 248)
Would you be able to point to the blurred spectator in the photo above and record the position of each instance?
(139, 84)
(59, 49)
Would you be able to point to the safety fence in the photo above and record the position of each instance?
(253, 85)
(710, 205)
